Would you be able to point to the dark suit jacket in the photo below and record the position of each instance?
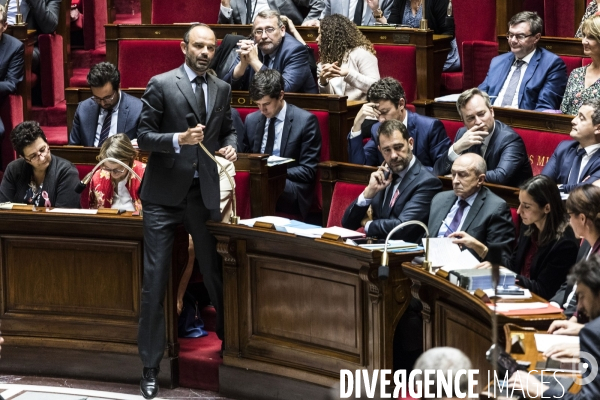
(550, 264)
(293, 9)
(60, 182)
(562, 294)
(429, 135)
(291, 61)
(559, 166)
(589, 342)
(85, 122)
(506, 157)
(11, 68)
(489, 220)
(436, 15)
(416, 191)
(169, 97)
(42, 15)
(543, 84)
(300, 140)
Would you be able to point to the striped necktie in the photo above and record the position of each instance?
(105, 127)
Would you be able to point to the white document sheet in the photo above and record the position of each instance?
(278, 221)
(71, 211)
(544, 341)
(443, 253)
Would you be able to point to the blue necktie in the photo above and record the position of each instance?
(105, 127)
(574, 174)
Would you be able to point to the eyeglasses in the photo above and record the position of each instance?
(106, 99)
(269, 30)
(520, 37)
(41, 152)
(113, 170)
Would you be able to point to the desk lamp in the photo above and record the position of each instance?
(383, 272)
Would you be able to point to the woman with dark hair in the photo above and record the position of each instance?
(37, 177)
(347, 66)
(547, 247)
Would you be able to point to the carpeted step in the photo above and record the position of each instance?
(79, 78)
(199, 362)
(56, 135)
(50, 116)
(87, 58)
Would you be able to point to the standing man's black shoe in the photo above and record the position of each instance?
(149, 383)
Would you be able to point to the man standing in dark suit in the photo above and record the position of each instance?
(528, 77)
(181, 183)
(108, 112)
(403, 195)
(500, 146)
(244, 11)
(472, 211)
(586, 275)
(577, 162)
(284, 130)
(387, 100)
(11, 63)
(272, 49)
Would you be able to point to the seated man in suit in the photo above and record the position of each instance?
(244, 11)
(576, 162)
(500, 146)
(472, 211)
(586, 275)
(108, 112)
(528, 77)
(272, 48)
(387, 100)
(284, 130)
(397, 192)
(11, 63)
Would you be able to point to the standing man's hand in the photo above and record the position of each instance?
(192, 136)
(229, 153)
(226, 3)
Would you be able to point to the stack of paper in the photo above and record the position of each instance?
(443, 253)
(275, 160)
(392, 245)
(544, 341)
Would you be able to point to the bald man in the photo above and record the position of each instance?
(471, 210)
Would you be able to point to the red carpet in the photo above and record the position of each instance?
(199, 358)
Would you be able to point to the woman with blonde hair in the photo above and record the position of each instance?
(584, 82)
(347, 66)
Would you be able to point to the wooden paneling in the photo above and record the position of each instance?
(557, 45)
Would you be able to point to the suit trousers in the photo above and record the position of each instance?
(160, 223)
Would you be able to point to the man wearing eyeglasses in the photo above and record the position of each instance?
(272, 49)
(108, 112)
(529, 77)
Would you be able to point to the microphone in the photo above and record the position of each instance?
(383, 272)
(192, 122)
(86, 179)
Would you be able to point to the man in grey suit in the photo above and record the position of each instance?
(181, 183)
(244, 11)
(362, 12)
(284, 130)
(109, 111)
(472, 211)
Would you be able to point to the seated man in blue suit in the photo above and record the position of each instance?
(272, 48)
(500, 146)
(108, 112)
(11, 63)
(386, 101)
(529, 77)
(397, 192)
(577, 161)
(284, 130)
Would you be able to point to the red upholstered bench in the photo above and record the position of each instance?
(399, 62)
(181, 11)
(452, 127)
(573, 62)
(11, 112)
(242, 194)
(540, 146)
(139, 61)
(344, 194)
(558, 18)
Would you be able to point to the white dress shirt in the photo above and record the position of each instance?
(448, 220)
(278, 131)
(113, 121)
(352, 8)
(257, 6)
(515, 101)
(589, 152)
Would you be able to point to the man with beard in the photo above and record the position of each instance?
(181, 183)
(272, 49)
(108, 112)
(400, 190)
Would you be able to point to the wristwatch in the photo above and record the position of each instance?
(378, 14)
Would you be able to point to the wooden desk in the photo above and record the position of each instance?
(453, 317)
(28, 38)
(297, 310)
(266, 183)
(71, 288)
(558, 45)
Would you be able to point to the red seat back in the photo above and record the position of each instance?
(452, 127)
(51, 69)
(540, 146)
(516, 221)
(573, 62)
(94, 18)
(140, 60)
(11, 112)
(388, 56)
(315, 47)
(178, 11)
(558, 18)
(343, 195)
(242, 194)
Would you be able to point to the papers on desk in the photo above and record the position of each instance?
(275, 160)
(443, 253)
(544, 341)
(277, 221)
(9, 206)
(526, 294)
(532, 308)
(300, 228)
(451, 98)
(392, 245)
(71, 211)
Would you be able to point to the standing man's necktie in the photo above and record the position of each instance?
(511, 90)
(200, 99)
(270, 136)
(105, 127)
(455, 223)
(249, 12)
(358, 12)
(574, 174)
